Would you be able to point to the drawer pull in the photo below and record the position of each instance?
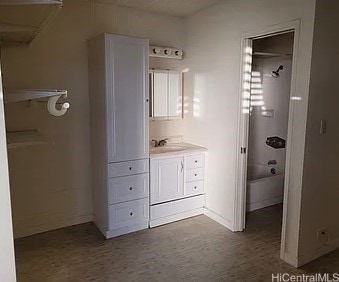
(130, 168)
(130, 188)
(196, 161)
(130, 213)
(195, 187)
(195, 174)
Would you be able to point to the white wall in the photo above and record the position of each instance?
(213, 55)
(275, 93)
(7, 263)
(50, 184)
(320, 193)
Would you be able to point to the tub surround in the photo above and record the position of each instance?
(176, 182)
(265, 186)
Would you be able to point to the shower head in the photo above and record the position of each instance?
(276, 72)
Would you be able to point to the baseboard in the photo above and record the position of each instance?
(125, 230)
(289, 258)
(223, 221)
(265, 203)
(175, 217)
(304, 259)
(26, 230)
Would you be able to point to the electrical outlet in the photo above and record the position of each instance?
(323, 127)
(323, 236)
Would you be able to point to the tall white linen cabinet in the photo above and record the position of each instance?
(119, 103)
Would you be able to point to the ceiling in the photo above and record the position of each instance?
(178, 8)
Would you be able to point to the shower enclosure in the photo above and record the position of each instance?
(268, 122)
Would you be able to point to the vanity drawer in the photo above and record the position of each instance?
(194, 188)
(129, 213)
(127, 188)
(195, 161)
(128, 168)
(194, 174)
(173, 208)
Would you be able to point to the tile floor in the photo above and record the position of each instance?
(196, 249)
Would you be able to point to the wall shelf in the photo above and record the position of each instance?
(19, 95)
(29, 2)
(18, 139)
(21, 21)
(12, 96)
(270, 55)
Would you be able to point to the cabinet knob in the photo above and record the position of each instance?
(130, 213)
(130, 168)
(130, 188)
(195, 187)
(196, 161)
(195, 174)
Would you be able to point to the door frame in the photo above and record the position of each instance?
(243, 120)
(7, 256)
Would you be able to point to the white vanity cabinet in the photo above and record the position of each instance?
(177, 187)
(118, 74)
(167, 179)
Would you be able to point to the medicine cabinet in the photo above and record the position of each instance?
(166, 94)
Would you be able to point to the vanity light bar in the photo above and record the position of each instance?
(165, 52)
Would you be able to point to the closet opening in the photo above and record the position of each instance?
(268, 126)
(265, 126)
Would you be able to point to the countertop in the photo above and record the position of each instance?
(175, 149)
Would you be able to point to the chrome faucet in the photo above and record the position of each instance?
(160, 143)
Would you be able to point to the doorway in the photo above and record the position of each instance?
(268, 120)
(254, 102)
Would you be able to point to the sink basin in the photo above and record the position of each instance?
(173, 148)
(167, 149)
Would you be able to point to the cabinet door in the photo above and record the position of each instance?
(167, 179)
(127, 98)
(174, 94)
(160, 94)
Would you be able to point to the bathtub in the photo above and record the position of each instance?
(263, 187)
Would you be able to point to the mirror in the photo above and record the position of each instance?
(166, 94)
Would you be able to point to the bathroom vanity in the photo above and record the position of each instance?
(131, 191)
(176, 182)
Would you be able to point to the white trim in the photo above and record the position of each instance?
(242, 141)
(7, 257)
(216, 217)
(290, 258)
(240, 193)
(290, 135)
(175, 217)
